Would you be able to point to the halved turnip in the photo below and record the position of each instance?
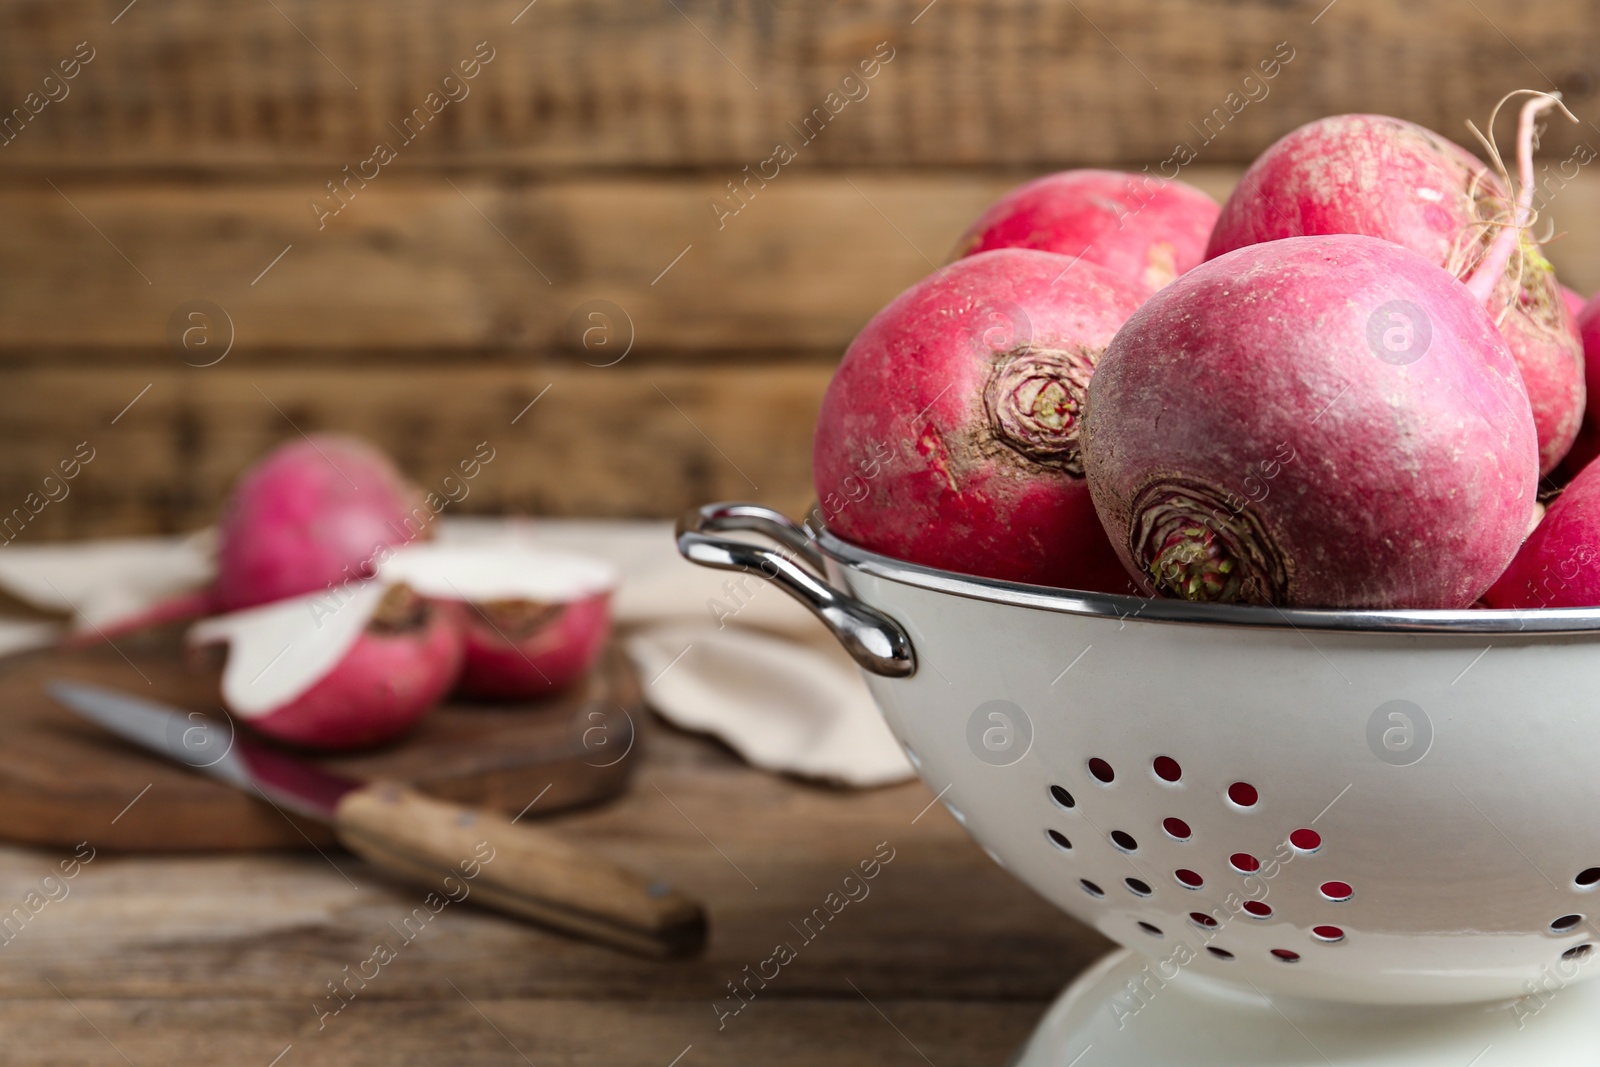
(534, 620)
(336, 670)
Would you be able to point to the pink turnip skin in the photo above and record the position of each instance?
(1252, 434)
(1573, 300)
(396, 672)
(1388, 178)
(1146, 229)
(310, 516)
(1559, 564)
(1587, 445)
(949, 434)
(521, 650)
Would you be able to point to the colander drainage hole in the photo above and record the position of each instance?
(1286, 955)
(1102, 770)
(1090, 888)
(1177, 829)
(1243, 794)
(1124, 841)
(1244, 863)
(1220, 953)
(1588, 877)
(1188, 879)
(1137, 887)
(1153, 931)
(1565, 923)
(1257, 909)
(1062, 797)
(1059, 840)
(1201, 919)
(1338, 892)
(1305, 840)
(1167, 769)
(1330, 934)
(1577, 952)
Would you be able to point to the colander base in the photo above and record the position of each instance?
(1114, 1015)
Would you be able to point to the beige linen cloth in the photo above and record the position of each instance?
(717, 652)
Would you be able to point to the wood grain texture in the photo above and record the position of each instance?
(420, 327)
(412, 270)
(629, 440)
(941, 921)
(412, 266)
(64, 779)
(550, 1033)
(180, 960)
(587, 83)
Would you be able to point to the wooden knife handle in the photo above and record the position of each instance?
(520, 870)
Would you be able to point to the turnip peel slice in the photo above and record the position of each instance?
(278, 651)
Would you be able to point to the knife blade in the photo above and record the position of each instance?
(531, 873)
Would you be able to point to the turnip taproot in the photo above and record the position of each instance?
(1147, 229)
(343, 669)
(1319, 421)
(1388, 178)
(1559, 564)
(949, 434)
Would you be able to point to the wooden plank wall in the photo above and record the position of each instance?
(546, 231)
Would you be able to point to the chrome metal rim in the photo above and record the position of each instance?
(1160, 610)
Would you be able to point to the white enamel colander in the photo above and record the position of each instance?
(1306, 810)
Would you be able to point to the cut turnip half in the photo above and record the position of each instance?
(347, 668)
(534, 620)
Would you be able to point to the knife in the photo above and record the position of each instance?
(528, 873)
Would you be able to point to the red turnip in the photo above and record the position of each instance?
(1388, 178)
(310, 516)
(1587, 446)
(1559, 564)
(1144, 228)
(314, 514)
(1319, 421)
(342, 669)
(949, 434)
(1573, 300)
(534, 620)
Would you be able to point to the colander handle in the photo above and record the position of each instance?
(874, 640)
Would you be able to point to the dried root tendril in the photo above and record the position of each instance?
(1507, 252)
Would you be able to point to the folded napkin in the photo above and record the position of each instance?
(720, 653)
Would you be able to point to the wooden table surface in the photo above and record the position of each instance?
(228, 959)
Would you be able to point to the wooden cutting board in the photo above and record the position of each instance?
(64, 780)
